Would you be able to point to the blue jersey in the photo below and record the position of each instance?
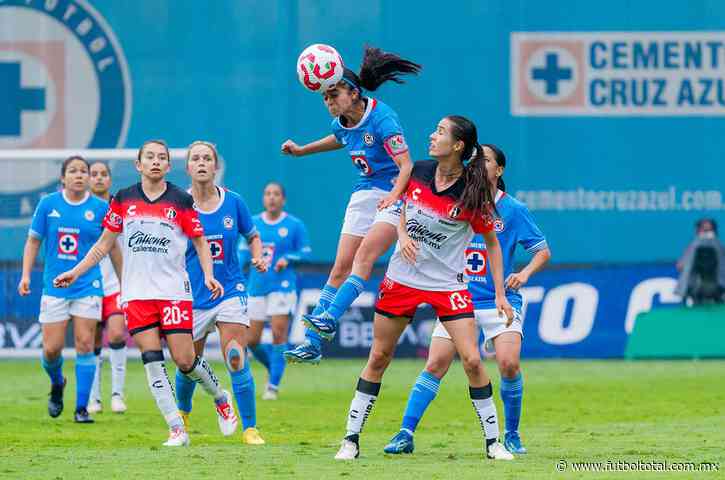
(372, 144)
(284, 238)
(69, 230)
(515, 226)
(222, 229)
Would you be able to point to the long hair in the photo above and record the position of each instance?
(379, 67)
(500, 161)
(476, 195)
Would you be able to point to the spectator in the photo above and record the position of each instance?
(702, 266)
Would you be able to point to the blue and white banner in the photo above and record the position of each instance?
(618, 73)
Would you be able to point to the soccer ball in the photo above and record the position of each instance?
(319, 67)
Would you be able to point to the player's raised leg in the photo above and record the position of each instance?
(386, 332)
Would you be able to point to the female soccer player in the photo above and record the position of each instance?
(445, 204)
(273, 294)
(111, 312)
(225, 217)
(69, 223)
(371, 132)
(515, 226)
(156, 219)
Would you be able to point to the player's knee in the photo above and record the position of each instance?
(340, 271)
(234, 356)
(51, 352)
(472, 365)
(509, 367)
(437, 367)
(279, 336)
(85, 342)
(185, 361)
(379, 360)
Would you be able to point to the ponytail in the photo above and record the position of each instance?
(476, 195)
(379, 67)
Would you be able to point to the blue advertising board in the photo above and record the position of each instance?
(611, 115)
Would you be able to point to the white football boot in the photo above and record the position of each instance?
(496, 451)
(177, 438)
(226, 417)
(349, 450)
(117, 404)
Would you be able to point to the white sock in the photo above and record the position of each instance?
(482, 399)
(202, 373)
(362, 404)
(118, 367)
(161, 389)
(96, 387)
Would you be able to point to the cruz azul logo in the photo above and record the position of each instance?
(618, 73)
(64, 83)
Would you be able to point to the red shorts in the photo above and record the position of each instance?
(170, 316)
(396, 300)
(111, 306)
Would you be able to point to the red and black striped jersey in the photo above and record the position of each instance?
(154, 241)
(442, 229)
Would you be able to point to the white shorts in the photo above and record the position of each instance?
(56, 309)
(275, 303)
(492, 326)
(231, 310)
(362, 212)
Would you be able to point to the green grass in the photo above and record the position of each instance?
(573, 410)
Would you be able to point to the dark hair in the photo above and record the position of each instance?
(500, 161)
(279, 185)
(67, 161)
(147, 142)
(102, 162)
(699, 224)
(379, 67)
(476, 195)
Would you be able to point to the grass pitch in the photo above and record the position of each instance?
(574, 411)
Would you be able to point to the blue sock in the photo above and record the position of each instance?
(512, 394)
(184, 391)
(348, 292)
(277, 363)
(423, 392)
(54, 369)
(326, 297)
(243, 387)
(85, 371)
(261, 353)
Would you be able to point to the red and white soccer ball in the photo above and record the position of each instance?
(319, 67)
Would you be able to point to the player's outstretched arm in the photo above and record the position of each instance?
(99, 250)
(255, 250)
(202, 250)
(324, 144)
(537, 262)
(30, 252)
(495, 261)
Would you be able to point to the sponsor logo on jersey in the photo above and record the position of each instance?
(89, 215)
(396, 145)
(476, 260)
(60, 63)
(359, 159)
(68, 243)
(143, 242)
(228, 222)
(421, 233)
(216, 247)
(368, 139)
(114, 219)
(268, 253)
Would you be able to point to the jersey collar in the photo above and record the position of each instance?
(79, 202)
(222, 194)
(499, 195)
(371, 105)
(282, 216)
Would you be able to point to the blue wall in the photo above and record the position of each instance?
(225, 71)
